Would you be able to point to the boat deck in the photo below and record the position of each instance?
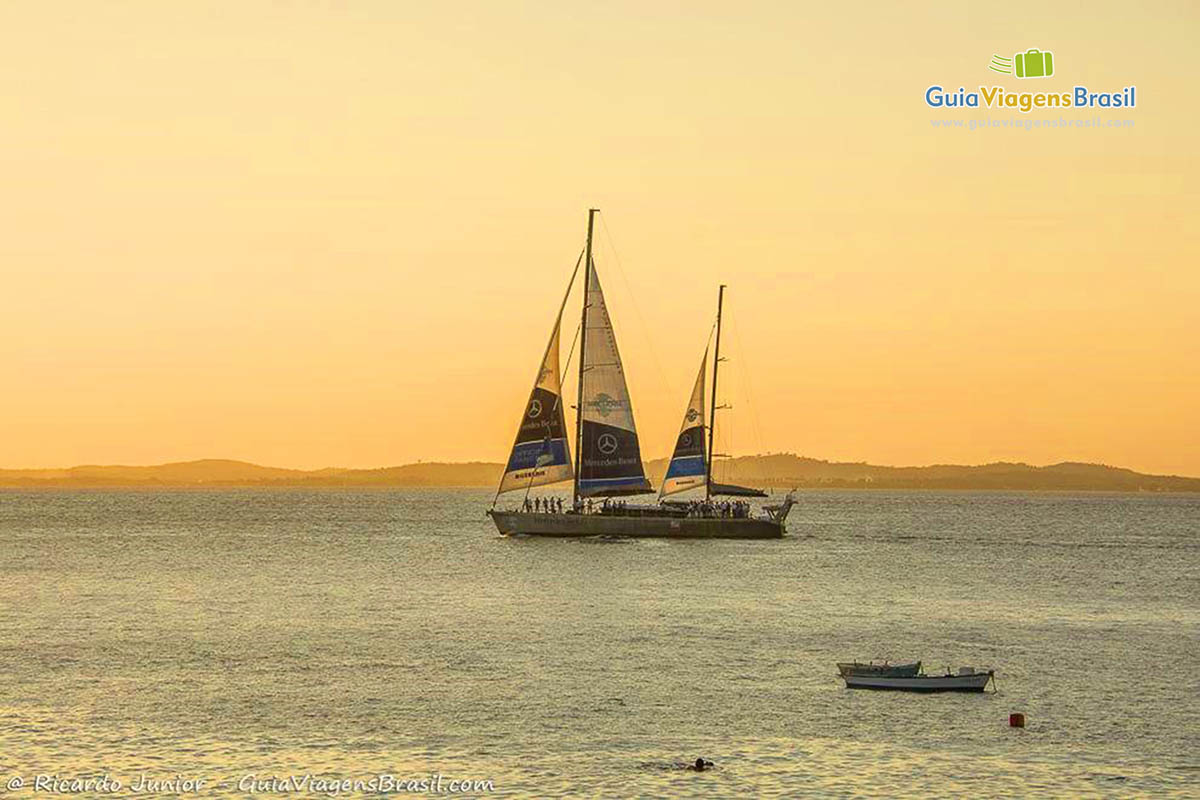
(641, 525)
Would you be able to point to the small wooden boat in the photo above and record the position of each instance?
(965, 680)
(884, 669)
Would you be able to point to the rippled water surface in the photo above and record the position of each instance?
(217, 635)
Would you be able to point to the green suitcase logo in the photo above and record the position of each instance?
(1034, 64)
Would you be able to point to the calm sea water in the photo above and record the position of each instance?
(219, 635)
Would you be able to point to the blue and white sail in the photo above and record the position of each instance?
(611, 458)
(688, 468)
(540, 454)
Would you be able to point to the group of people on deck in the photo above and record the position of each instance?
(556, 505)
(549, 505)
(729, 509)
(613, 506)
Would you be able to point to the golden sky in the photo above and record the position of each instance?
(315, 233)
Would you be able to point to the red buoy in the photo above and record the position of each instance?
(1016, 720)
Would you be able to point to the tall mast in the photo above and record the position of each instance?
(587, 284)
(712, 417)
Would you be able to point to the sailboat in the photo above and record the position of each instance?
(608, 461)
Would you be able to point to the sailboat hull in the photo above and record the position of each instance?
(640, 527)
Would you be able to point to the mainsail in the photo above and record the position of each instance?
(610, 457)
(540, 454)
(687, 469)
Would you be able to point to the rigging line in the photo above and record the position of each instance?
(708, 379)
(637, 309)
(744, 370)
(723, 446)
(570, 355)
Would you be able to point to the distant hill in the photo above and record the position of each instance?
(783, 470)
(226, 473)
(786, 471)
(184, 473)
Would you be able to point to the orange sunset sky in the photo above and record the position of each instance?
(312, 233)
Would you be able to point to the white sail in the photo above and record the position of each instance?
(611, 458)
(540, 454)
(688, 468)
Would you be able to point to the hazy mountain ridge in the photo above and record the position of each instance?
(782, 470)
(787, 470)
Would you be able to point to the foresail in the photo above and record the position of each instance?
(611, 458)
(540, 454)
(688, 468)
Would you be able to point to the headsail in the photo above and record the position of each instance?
(540, 455)
(687, 468)
(610, 457)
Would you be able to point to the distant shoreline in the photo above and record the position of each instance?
(217, 487)
(776, 471)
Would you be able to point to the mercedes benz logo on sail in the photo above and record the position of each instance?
(607, 444)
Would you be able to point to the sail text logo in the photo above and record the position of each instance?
(995, 97)
(604, 403)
